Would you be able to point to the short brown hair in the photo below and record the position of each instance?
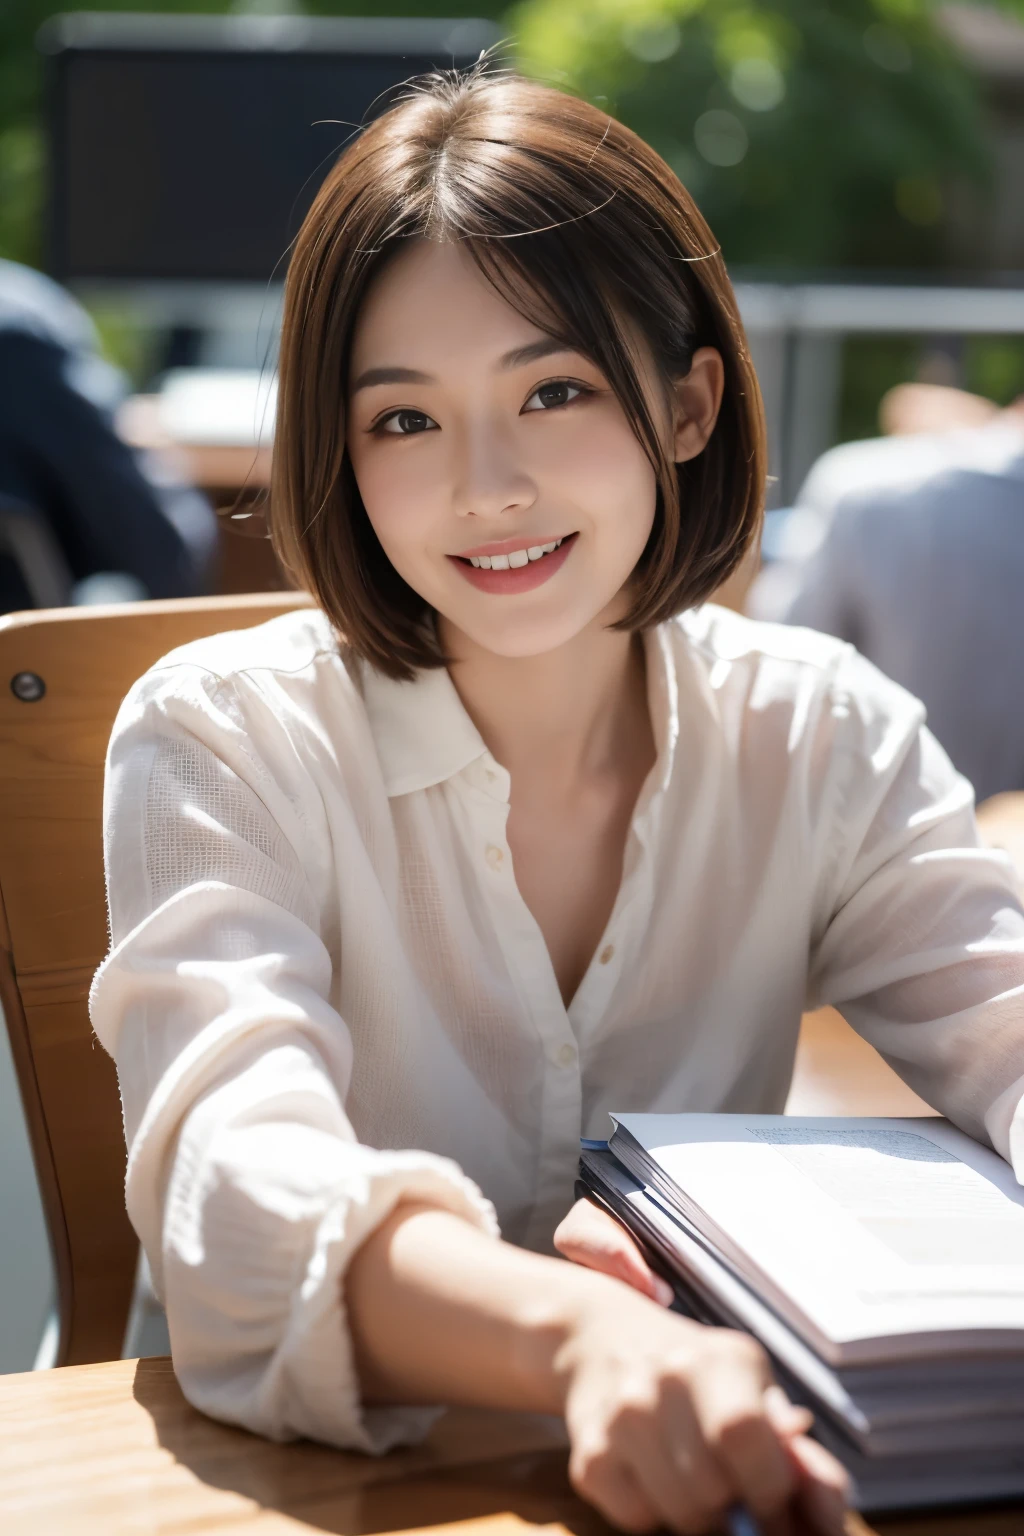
(579, 224)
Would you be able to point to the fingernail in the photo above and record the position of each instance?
(664, 1295)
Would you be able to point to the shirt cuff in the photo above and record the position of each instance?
(308, 1387)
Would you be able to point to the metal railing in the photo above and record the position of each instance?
(796, 333)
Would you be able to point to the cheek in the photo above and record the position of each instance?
(397, 487)
(599, 466)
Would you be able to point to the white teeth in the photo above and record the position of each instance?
(514, 561)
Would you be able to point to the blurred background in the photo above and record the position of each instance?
(851, 138)
(860, 161)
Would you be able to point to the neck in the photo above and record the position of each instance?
(562, 716)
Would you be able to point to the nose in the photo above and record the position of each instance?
(489, 477)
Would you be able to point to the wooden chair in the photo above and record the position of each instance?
(63, 674)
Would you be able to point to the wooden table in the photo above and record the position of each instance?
(217, 467)
(114, 1450)
(235, 477)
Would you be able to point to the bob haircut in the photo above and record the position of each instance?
(586, 231)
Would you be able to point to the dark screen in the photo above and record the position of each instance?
(192, 166)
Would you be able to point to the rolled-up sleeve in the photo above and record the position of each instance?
(921, 934)
(246, 1182)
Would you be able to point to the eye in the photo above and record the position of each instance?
(405, 423)
(554, 393)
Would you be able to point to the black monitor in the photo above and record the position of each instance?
(187, 149)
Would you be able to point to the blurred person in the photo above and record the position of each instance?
(83, 517)
(911, 547)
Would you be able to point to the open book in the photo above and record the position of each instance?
(880, 1262)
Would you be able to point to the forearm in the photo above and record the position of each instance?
(669, 1423)
(439, 1312)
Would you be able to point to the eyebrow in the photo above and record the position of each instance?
(547, 346)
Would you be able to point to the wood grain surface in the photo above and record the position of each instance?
(114, 1450)
(838, 1073)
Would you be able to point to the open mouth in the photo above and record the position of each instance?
(515, 559)
(516, 570)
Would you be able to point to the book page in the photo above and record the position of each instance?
(915, 1196)
(862, 1227)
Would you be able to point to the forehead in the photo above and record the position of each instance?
(432, 301)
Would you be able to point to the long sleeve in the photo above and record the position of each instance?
(921, 935)
(246, 1182)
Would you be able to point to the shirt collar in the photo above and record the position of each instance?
(421, 729)
(662, 700)
(424, 736)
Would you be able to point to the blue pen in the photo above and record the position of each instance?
(740, 1522)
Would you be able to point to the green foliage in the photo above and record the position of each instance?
(811, 132)
(871, 366)
(21, 175)
(993, 366)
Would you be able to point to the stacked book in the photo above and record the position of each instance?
(880, 1263)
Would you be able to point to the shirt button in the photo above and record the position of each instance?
(606, 953)
(566, 1055)
(495, 857)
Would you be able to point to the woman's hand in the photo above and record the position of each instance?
(592, 1237)
(672, 1422)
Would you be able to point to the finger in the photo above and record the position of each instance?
(670, 1462)
(787, 1418)
(701, 1491)
(588, 1225)
(608, 1484)
(823, 1494)
(729, 1398)
(593, 1238)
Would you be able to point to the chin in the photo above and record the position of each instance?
(524, 639)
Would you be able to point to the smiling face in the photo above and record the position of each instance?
(478, 443)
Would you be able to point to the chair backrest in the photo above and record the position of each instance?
(63, 674)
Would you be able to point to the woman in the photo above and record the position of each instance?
(510, 831)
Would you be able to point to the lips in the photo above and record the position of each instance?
(505, 578)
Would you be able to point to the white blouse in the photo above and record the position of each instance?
(320, 958)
